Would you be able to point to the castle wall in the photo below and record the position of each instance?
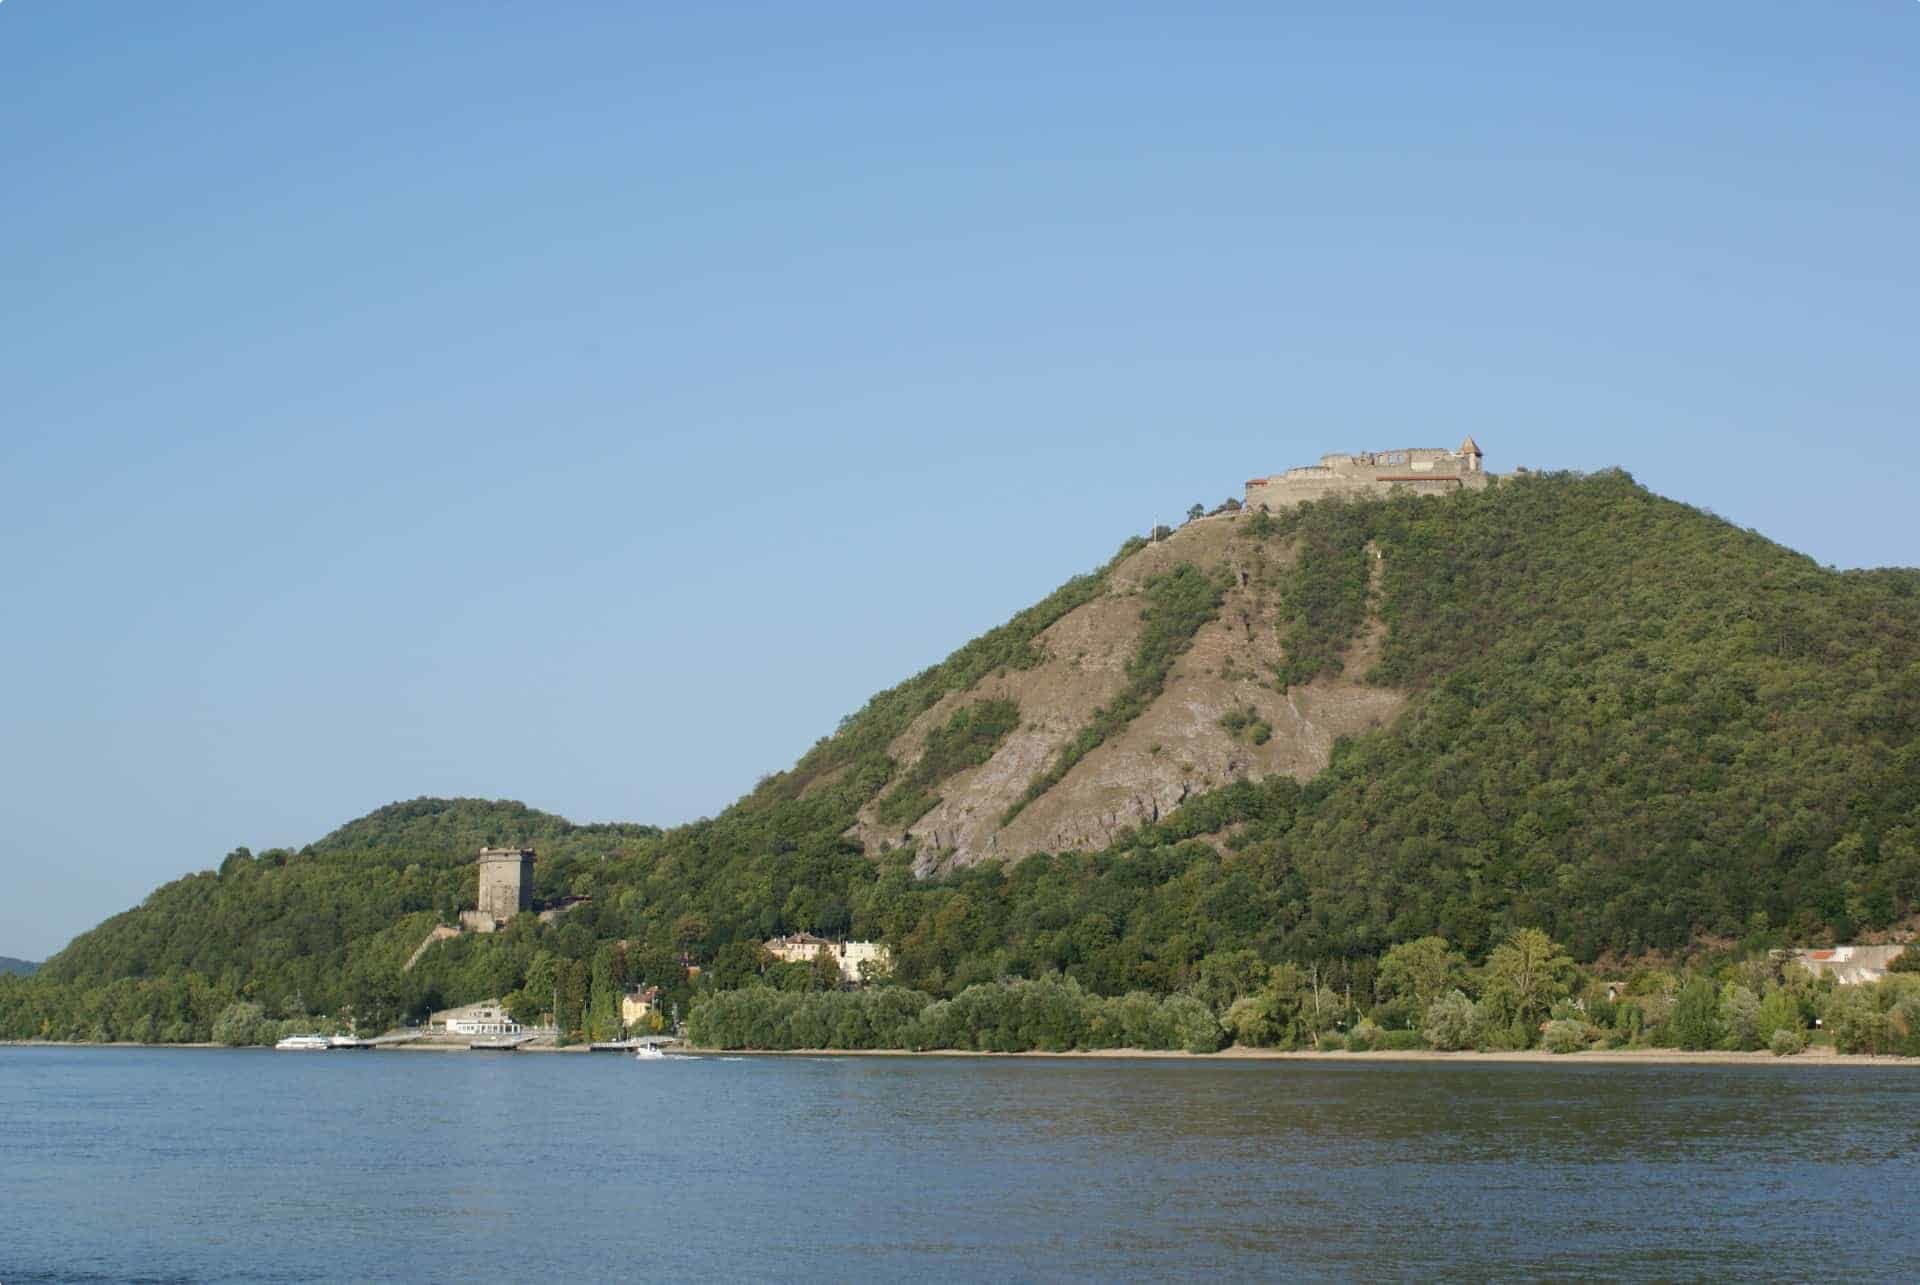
(1416, 470)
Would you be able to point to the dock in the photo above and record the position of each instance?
(501, 1044)
(633, 1045)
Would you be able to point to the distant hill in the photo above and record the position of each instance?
(1562, 702)
(18, 967)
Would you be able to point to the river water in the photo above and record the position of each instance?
(165, 1165)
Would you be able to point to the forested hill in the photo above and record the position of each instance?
(17, 967)
(1571, 704)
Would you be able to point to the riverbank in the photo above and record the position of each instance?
(1819, 1055)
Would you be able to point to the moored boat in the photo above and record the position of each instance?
(302, 1044)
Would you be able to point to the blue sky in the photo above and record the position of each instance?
(591, 403)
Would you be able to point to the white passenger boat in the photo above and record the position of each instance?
(303, 1043)
(648, 1052)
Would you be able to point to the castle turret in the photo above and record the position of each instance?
(506, 882)
(1471, 450)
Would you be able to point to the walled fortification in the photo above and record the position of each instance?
(1419, 470)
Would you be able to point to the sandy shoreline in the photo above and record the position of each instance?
(1817, 1056)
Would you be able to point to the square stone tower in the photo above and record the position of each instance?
(506, 882)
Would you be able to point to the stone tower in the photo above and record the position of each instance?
(506, 882)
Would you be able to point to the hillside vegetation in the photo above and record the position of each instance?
(1575, 707)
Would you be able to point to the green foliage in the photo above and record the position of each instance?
(1179, 601)
(1324, 593)
(762, 1018)
(1907, 961)
(240, 1024)
(1780, 1010)
(1695, 1023)
(1636, 723)
(1787, 1041)
(1854, 1022)
(1565, 1035)
(1420, 972)
(1246, 724)
(969, 739)
(1740, 1018)
(1451, 1022)
(1051, 1014)
(1525, 975)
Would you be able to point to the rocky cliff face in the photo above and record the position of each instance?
(1219, 717)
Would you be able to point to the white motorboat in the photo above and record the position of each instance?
(649, 1052)
(303, 1044)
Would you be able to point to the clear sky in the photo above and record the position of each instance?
(591, 403)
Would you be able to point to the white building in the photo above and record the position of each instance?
(485, 1018)
(849, 955)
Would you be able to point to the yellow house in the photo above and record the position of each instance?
(637, 1005)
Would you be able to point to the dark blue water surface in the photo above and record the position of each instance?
(120, 1164)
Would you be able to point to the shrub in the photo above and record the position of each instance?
(1786, 1041)
(1854, 1022)
(1451, 1023)
(1400, 1041)
(1365, 1037)
(1332, 1042)
(1565, 1035)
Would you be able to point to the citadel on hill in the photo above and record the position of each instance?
(1422, 470)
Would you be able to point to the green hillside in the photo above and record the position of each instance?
(16, 967)
(1631, 725)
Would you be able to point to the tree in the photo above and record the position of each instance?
(1740, 1017)
(690, 933)
(1197, 511)
(1526, 974)
(736, 964)
(239, 1024)
(1420, 972)
(1451, 1023)
(1779, 1011)
(1695, 1023)
(1225, 977)
(603, 1005)
(1854, 1022)
(570, 1009)
(826, 970)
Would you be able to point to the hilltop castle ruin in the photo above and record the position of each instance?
(1421, 470)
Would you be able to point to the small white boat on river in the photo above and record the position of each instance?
(303, 1044)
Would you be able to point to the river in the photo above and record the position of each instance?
(177, 1165)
